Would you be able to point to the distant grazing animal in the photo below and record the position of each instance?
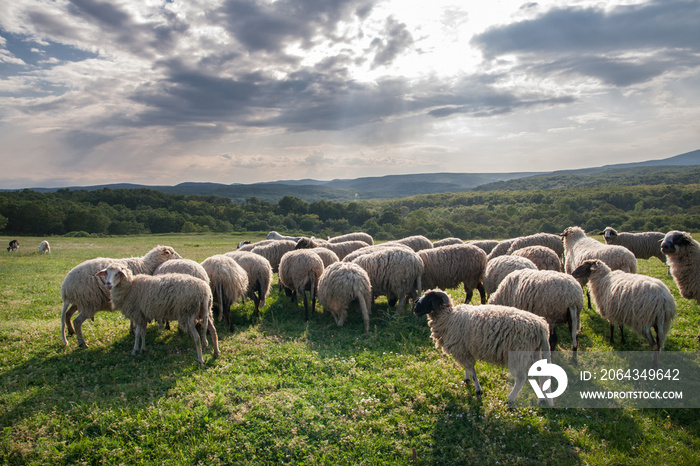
(44, 247)
(14, 246)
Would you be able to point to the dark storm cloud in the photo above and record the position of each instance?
(396, 39)
(623, 46)
(270, 27)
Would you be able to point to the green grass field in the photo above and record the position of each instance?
(288, 391)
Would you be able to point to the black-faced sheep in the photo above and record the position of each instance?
(228, 282)
(143, 298)
(556, 296)
(500, 335)
(643, 245)
(259, 273)
(453, 265)
(341, 284)
(13, 246)
(543, 257)
(498, 268)
(299, 272)
(82, 291)
(683, 253)
(393, 272)
(639, 301)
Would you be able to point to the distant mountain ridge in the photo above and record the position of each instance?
(683, 168)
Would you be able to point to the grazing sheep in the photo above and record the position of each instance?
(643, 245)
(683, 253)
(556, 296)
(82, 291)
(44, 247)
(228, 282)
(499, 335)
(639, 301)
(248, 246)
(447, 242)
(274, 251)
(171, 296)
(499, 268)
(368, 249)
(549, 240)
(299, 272)
(276, 236)
(416, 242)
(543, 257)
(357, 236)
(186, 266)
(327, 256)
(243, 243)
(578, 247)
(453, 265)
(487, 244)
(394, 272)
(501, 248)
(339, 249)
(13, 246)
(341, 284)
(259, 273)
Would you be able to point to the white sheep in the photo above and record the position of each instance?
(416, 242)
(498, 268)
(501, 335)
(393, 272)
(643, 245)
(554, 242)
(639, 301)
(299, 272)
(274, 251)
(276, 236)
(487, 244)
(259, 273)
(340, 249)
(341, 284)
(453, 265)
(578, 247)
(44, 247)
(683, 257)
(228, 282)
(186, 266)
(173, 296)
(356, 236)
(543, 257)
(447, 242)
(82, 291)
(368, 249)
(500, 249)
(556, 296)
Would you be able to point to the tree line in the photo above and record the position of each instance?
(467, 215)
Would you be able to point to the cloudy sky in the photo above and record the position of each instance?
(241, 91)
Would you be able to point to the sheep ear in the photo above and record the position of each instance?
(101, 273)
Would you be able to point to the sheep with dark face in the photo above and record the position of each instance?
(683, 258)
(501, 335)
(639, 301)
(643, 245)
(82, 291)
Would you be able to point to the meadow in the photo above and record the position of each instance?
(287, 391)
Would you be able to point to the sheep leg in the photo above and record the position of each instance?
(519, 383)
(256, 301)
(197, 341)
(400, 305)
(553, 338)
(78, 323)
(469, 293)
(306, 308)
(482, 292)
(137, 334)
(68, 314)
(365, 313)
(470, 373)
(573, 321)
(622, 335)
(612, 333)
(214, 336)
(588, 295)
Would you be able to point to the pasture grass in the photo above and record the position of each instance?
(287, 391)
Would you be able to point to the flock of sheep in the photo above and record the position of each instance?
(532, 283)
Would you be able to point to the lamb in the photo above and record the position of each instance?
(549, 240)
(556, 296)
(495, 334)
(447, 242)
(259, 273)
(543, 257)
(341, 284)
(497, 269)
(416, 242)
(13, 246)
(228, 282)
(683, 256)
(44, 247)
(639, 301)
(357, 236)
(82, 291)
(274, 251)
(299, 271)
(394, 272)
(452, 265)
(276, 236)
(487, 245)
(643, 245)
(186, 266)
(171, 296)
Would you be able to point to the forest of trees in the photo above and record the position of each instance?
(468, 215)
